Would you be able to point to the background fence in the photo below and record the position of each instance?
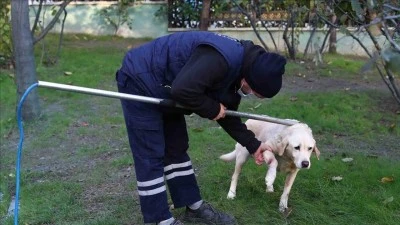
(148, 21)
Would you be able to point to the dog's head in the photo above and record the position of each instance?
(297, 143)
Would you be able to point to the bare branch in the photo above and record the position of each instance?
(52, 22)
(388, 36)
(391, 17)
(349, 33)
(391, 83)
(258, 11)
(61, 35)
(325, 39)
(391, 7)
(37, 17)
(252, 24)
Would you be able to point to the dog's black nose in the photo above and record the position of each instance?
(305, 164)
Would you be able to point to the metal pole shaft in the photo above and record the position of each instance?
(159, 101)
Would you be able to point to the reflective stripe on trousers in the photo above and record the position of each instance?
(158, 142)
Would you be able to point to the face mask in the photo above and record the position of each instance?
(241, 93)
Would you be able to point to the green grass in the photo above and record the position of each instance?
(342, 64)
(63, 199)
(334, 66)
(351, 113)
(77, 167)
(315, 198)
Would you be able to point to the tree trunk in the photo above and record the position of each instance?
(205, 15)
(290, 43)
(25, 69)
(332, 37)
(61, 37)
(309, 41)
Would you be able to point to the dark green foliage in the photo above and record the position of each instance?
(5, 34)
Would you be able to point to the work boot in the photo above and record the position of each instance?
(177, 222)
(208, 215)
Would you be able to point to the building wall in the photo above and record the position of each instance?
(83, 18)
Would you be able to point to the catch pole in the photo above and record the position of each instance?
(158, 101)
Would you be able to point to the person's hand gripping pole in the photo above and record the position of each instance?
(222, 112)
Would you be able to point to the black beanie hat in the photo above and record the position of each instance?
(265, 75)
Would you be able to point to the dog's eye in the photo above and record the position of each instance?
(297, 147)
(309, 148)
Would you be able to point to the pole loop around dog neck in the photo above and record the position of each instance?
(287, 122)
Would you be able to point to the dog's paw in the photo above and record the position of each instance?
(286, 211)
(282, 207)
(269, 189)
(231, 195)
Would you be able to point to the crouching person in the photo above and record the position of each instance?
(207, 73)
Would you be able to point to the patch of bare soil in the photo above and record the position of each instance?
(314, 82)
(123, 44)
(382, 147)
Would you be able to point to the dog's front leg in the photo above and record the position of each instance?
(272, 164)
(283, 204)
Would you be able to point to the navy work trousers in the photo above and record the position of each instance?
(159, 144)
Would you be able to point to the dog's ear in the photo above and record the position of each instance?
(281, 145)
(278, 144)
(316, 151)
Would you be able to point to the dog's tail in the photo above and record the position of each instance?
(229, 156)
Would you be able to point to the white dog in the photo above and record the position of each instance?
(292, 146)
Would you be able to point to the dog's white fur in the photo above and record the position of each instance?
(292, 146)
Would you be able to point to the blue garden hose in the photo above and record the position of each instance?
(19, 152)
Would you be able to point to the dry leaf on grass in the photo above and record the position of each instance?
(84, 124)
(255, 107)
(387, 180)
(347, 159)
(197, 129)
(337, 178)
(388, 200)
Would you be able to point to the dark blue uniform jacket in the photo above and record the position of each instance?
(158, 67)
